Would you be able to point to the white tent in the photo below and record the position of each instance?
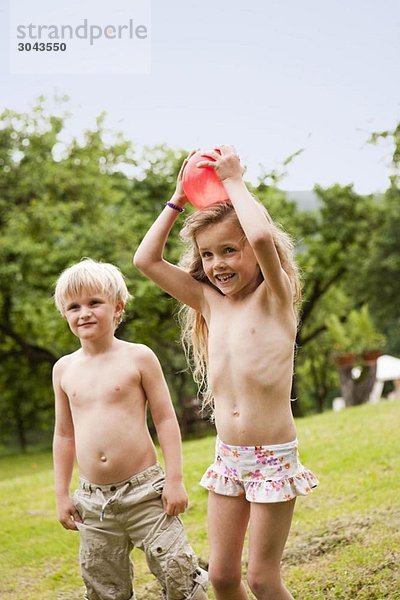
(387, 369)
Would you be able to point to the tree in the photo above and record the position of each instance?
(335, 239)
(357, 343)
(382, 265)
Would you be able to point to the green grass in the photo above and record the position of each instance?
(345, 538)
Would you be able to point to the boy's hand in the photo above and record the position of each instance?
(67, 513)
(179, 196)
(226, 163)
(174, 498)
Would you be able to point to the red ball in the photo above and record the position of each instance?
(201, 185)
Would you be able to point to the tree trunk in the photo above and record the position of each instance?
(356, 390)
(20, 427)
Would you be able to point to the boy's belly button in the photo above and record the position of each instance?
(103, 458)
(236, 412)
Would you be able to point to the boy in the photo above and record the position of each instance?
(124, 500)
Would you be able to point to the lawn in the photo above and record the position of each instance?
(345, 538)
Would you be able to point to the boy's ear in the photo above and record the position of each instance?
(119, 307)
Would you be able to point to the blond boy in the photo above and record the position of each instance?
(124, 500)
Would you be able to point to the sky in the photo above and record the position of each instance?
(270, 77)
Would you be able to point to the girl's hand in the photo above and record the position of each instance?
(226, 163)
(179, 196)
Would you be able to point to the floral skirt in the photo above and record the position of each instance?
(271, 473)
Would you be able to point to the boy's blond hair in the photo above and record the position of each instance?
(194, 334)
(90, 275)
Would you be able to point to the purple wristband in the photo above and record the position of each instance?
(175, 207)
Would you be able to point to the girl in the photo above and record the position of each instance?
(240, 285)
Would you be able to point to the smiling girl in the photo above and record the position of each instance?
(239, 285)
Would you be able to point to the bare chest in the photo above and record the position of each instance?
(107, 384)
(248, 339)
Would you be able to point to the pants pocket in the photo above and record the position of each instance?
(158, 485)
(171, 558)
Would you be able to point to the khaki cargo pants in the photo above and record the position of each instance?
(117, 518)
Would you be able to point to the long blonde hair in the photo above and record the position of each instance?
(194, 330)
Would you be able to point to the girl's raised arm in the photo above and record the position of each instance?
(149, 258)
